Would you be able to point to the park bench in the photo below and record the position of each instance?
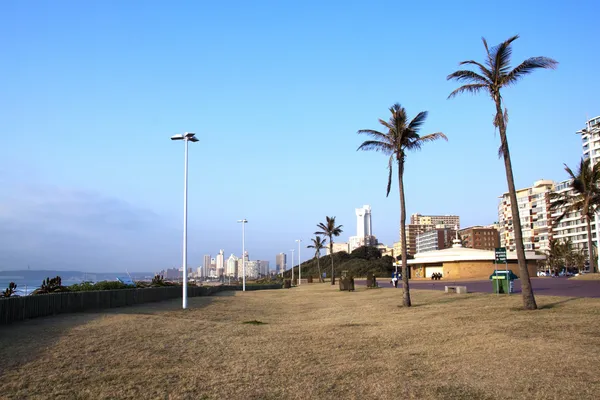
(455, 289)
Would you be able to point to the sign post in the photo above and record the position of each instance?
(499, 256)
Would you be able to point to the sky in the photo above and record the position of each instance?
(276, 92)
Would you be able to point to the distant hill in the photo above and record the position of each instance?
(362, 262)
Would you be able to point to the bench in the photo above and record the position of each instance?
(455, 289)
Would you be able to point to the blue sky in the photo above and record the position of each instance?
(91, 92)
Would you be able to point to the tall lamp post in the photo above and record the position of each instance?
(299, 261)
(186, 137)
(243, 222)
(292, 250)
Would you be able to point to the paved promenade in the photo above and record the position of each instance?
(542, 286)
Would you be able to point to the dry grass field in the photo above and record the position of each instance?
(315, 343)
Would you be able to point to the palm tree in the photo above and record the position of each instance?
(318, 244)
(401, 136)
(330, 230)
(492, 77)
(583, 199)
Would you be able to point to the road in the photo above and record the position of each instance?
(543, 286)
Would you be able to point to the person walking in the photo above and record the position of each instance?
(395, 279)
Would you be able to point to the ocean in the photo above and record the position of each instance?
(26, 286)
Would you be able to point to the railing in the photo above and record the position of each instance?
(25, 307)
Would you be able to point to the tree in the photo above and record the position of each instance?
(318, 244)
(330, 230)
(584, 199)
(401, 136)
(492, 77)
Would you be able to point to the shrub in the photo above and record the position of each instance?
(10, 290)
(51, 285)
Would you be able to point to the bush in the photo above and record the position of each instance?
(10, 290)
(51, 286)
(102, 285)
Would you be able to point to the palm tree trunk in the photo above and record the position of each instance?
(527, 291)
(405, 289)
(331, 255)
(319, 268)
(589, 244)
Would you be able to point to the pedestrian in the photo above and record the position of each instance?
(395, 279)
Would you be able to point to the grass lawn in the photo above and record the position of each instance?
(311, 342)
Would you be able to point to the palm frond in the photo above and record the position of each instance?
(472, 88)
(487, 50)
(375, 145)
(483, 70)
(468, 76)
(376, 134)
(418, 121)
(386, 124)
(501, 59)
(527, 67)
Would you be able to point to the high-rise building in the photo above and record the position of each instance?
(480, 237)
(232, 266)
(364, 234)
(199, 272)
(280, 263)
(536, 221)
(590, 140)
(572, 227)
(438, 238)
(263, 268)
(206, 265)
(363, 221)
(220, 263)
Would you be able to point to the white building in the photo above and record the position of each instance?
(220, 263)
(206, 265)
(536, 222)
(364, 233)
(590, 140)
(280, 263)
(337, 247)
(232, 266)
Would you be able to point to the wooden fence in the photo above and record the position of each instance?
(24, 307)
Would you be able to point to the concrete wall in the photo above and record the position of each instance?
(470, 269)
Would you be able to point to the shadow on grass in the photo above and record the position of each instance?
(23, 342)
(550, 306)
(451, 298)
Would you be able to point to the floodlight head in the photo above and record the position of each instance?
(179, 136)
(243, 221)
(193, 139)
(189, 135)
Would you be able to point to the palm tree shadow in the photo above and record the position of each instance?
(550, 306)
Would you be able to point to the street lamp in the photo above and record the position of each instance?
(292, 250)
(299, 267)
(243, 222)
(186, 137)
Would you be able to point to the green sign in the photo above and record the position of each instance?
(501, 254)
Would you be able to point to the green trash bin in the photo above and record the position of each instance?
(502, 281)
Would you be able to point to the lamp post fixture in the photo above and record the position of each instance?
(299, 261)
(186, 137)
(292, 250)
(243, 222)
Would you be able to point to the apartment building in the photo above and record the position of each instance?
(590, 140)
(536, 221)
(450, 220)
(480, 237)
(438, 238)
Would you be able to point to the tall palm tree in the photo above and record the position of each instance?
(330, 230)
(492, 77)
(583, 199)
(318, 244)
(401, 136)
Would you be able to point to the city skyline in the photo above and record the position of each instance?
(99, 189)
